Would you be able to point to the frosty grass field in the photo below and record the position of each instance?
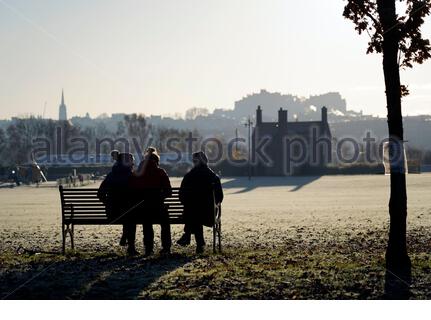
(287, 237)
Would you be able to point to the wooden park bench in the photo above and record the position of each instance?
(81, 206)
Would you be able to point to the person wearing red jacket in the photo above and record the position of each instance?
(151, 185)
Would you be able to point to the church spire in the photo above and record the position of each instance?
(62, 111)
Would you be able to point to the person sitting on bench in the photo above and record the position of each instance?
(147, 183)
(114, 156)
(196, 194)
(114, 191)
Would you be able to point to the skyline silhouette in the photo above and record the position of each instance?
(172, 56)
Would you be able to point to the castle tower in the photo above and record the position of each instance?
(258, 116)
(282, 118)
(325, 115)
(62, 111)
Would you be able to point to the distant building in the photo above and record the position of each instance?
(302, 107)
(62, 110)
(290, 147)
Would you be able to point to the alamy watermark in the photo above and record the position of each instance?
(309, 149)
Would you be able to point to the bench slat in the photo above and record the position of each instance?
(86, 216)
(98, 223)
(83, 190)
(94, 196)
(84, 210)
(87, 204)
(87, 196)
(86, 190)
(92, 214)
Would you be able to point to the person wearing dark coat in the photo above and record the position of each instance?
(114, 156)
(151, 185)
(114, 192)
(200, 192)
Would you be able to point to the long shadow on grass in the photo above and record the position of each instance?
(106, 277)
(245, 185)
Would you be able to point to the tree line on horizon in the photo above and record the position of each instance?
(17, 139)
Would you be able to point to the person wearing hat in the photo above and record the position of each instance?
(114, 192)
(200, 190)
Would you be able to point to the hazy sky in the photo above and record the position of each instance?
(164, 56)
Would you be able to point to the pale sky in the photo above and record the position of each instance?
(165, 56)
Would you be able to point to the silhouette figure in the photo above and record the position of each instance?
(200, 191)
(15, 177)
(151, 184)
(114, 192)
(114, 155)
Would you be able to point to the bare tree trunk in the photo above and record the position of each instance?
(398, 265)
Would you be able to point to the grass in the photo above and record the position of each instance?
(271, 275)
(348, 268)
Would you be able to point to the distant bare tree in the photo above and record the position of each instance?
(165, 139)
(193, 113)
(15, 146)
(137, 127)
(399, 39)
(121, 129)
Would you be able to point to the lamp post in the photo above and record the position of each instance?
(249, 125)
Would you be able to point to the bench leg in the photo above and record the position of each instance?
(66, 229)
(72, 234)
(219, 235)
(63, 234)
(214, 237)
